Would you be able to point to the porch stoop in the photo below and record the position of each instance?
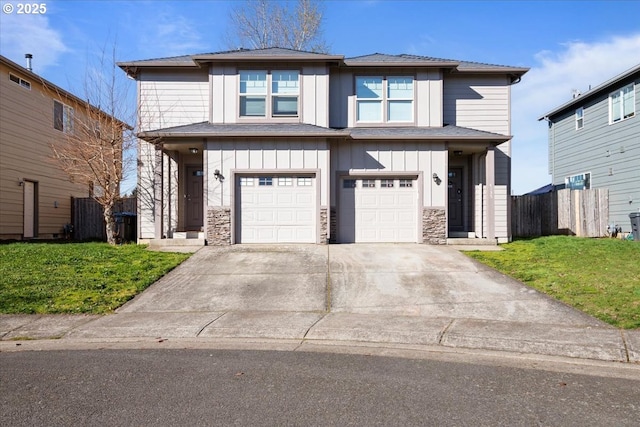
(462, 241)
(180, 241)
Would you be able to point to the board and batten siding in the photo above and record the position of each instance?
(609, 152)
(264, 155)
(396, 156)
(170, 99)
(26, 132)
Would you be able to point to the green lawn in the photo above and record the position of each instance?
(77, 277)
(598, 276)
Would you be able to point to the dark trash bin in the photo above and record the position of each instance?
(126, 226)
(635, 225)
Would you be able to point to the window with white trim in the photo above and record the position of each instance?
(62, 117)
(579, 118)
(368, 183)
(622, 104)
(304, 182)
(246, 181)
(269, 94)
(18, 80)
(406, 183)
(386, 183)
(384, 99)
(578, 182)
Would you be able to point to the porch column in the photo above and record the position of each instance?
(490, 171)
(158, 193)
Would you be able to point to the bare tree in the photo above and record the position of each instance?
(259, 24)
(95, 146)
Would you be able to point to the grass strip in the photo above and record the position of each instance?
(95, 278)
(601, 277)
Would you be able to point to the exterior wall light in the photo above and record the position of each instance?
(193, 150)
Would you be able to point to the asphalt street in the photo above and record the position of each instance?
(231, 387)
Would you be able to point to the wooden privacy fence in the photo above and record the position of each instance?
(87, 218)
(583, 213)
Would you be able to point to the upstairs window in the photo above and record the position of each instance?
(18, 80)
(622, 104)
(264, 94)
(384, 99)
(62, 117)
(579, 118)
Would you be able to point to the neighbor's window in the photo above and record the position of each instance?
(22, 82)
(622, 104)
(578, 182)
(579, 118)
(62, 117)
(264, 94)
(384, 99)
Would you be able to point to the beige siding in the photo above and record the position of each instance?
(477, 102)
(173, 98)
(429, 98)
(26, 130)
(315, 96)
(267, 154)
(393, 156)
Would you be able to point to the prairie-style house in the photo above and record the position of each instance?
(594, 142)
(35, 194)
(282, 146)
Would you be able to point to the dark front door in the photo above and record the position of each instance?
(193, 198)
(456, 192)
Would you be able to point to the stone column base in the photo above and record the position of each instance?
(218, 226)
(434, 226)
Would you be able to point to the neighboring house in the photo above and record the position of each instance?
(594, 142)
(35, 194)
(276, 145)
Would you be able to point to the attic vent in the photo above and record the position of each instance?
(25, 84)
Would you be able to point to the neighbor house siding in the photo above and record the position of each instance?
(609, 152)
(173, 98)
(26, 132)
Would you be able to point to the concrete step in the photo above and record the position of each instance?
(157, 243)
(472, 242)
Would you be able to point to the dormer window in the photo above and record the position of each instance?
(269, 94)
(384, 99)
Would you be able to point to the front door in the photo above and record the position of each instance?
(456, 193)
(193, 198)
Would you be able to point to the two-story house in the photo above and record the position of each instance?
(35, 194)
(594, 142)
(276, 145)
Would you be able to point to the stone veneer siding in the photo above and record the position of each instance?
(323, 226)
(218, 226)
(333, 226)
(434, 226)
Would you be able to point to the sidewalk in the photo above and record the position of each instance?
(243, 327)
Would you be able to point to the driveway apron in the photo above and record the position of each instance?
(369, 279)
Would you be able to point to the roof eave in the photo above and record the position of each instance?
(412, 64)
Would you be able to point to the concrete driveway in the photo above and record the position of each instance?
(369, 279)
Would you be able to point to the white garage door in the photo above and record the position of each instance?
(378, 210)
(276, 209)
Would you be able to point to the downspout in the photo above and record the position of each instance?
(553, 150)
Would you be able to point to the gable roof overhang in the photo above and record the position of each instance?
(631, 73)
(197, 132)
(244, 130)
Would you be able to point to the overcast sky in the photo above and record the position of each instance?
(568, 45)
